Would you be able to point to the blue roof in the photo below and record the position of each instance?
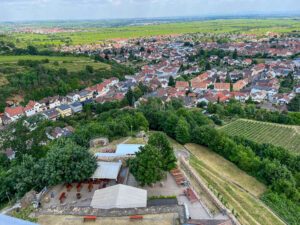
(83, 92)
(63, 107)
(87, 101)
(5, 220)
(75, 104)
(122, 149)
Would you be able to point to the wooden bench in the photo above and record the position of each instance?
(78, 186)
(175, 170)
(90, 187)
(136, 217)
(89, 218)
(62, 197)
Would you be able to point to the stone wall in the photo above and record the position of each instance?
(89, 211)
(191, 172)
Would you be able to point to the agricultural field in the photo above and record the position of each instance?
(96, 35)
(14, 59)
(72, 64)
(279, 135)
(221, 175)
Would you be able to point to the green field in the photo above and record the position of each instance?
(72, 64)
(12, 59)
(262, 132)
(260, 26)
(220, 174)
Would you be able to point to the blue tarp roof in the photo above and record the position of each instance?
(5, 220)
(63, 107)
(122, 149)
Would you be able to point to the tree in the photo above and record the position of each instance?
(20, 133)
(294, 104)
(201, 104)
(161, 142)
(32, 50)
(171, 82)
(129, 96)
(182, 131)
(137, 93)
(4, 161)
(147, 166)
(67, 162)
(207, 66)
(89, 69)
(235, 54)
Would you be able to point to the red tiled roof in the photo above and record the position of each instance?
(222, 86)
(14, 111)
(182, 84)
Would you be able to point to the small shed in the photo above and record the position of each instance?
(119, 196)
(107, 170)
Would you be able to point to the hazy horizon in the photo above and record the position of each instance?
(41, 10)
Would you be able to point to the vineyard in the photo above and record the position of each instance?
(276, 134)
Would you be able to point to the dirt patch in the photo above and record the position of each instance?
(155, 219)
(17, 98)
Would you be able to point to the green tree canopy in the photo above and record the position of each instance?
(161, 142)
(147, 166)
(67, 162)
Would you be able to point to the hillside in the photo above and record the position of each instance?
(276, 134)
(222, 176)
(28, 77)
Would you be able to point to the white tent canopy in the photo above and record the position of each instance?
(119, 196)
(107, 170)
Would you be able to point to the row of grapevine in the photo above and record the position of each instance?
(278, 135)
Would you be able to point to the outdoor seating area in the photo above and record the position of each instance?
(189, 193)
(178, 176)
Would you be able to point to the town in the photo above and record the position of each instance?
(149, 120)
(168, 67)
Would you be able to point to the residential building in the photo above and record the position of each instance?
(64, 110)
(14, 113)
(76, 107)
(222, 86)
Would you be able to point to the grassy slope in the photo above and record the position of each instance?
(209, 26)
(218, 172)
(276, 134)
(72, 64)
(11, 59)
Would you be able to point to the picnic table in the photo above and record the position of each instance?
(62, 197)
(191, 195)
(78, 186)
(69, 186)
(90, 187)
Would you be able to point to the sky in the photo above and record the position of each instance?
(16, 10)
